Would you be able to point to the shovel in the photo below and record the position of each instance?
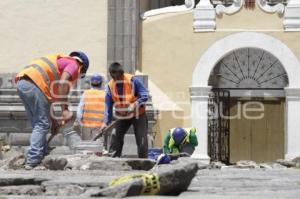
(54, 130)
(105, 130)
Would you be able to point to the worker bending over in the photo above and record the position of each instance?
(90, 111)
(180, 140)
(45, 81)
(127, 96)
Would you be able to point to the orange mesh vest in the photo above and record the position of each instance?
(123, 102)
(93, 109)
(45, 74)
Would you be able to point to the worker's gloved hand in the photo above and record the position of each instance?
(163, 159)
(103, 127)
(193, 131)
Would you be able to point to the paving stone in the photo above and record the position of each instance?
(286, 163)
(296, 160)
(14, 181)
(55, 163)
(21, 190)
(271, 165)
(92, 162)
(64, 190)
(246, 164)
(172, 181)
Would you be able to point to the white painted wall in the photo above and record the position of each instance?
(32, 28)
(215, 53)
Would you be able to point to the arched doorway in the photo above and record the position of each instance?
(250, 125)
(200, 88)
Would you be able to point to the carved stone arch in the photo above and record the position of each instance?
(200, 88)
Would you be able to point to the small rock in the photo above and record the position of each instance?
(296, 160)
(64, 190)
(247, 164)
(278, 166)
(55, 163)
(17, 162)
(6, 148)
(286, 163)
(271, 165)
(216, 165)
(265, 166)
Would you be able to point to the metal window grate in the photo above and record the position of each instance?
(219, 125)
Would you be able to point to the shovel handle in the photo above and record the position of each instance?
(108, 128)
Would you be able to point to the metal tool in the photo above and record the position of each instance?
(105, 130)
(53, 133)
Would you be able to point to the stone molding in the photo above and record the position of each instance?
(278, 8)
(188, 6)
(204, 17)
(292, 92)
(199, 92)
(229, 10)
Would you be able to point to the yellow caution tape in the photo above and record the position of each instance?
(151, 184)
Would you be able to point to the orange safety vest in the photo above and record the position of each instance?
(121, 103)
(93, 109)
(45, 74)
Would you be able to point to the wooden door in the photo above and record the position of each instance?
(260, 140)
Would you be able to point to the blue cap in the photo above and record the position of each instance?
(96, 79)
(83, 59)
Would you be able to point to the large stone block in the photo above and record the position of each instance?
(19, 139)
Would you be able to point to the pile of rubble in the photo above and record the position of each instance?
(87, 176)
(93, 176)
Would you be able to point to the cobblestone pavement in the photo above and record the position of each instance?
(209, 183)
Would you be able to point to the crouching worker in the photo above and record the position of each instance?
(90, 111)
(180, 140)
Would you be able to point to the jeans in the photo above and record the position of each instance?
(140, 127)
(38, 112)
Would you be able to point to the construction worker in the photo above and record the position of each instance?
(90, 111)
(45, 81)
(180, 140)
(127, 95)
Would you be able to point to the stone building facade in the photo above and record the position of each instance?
(192, 51)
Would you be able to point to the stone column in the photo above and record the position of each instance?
(292, 123)
(199, 98)
(122, 33)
